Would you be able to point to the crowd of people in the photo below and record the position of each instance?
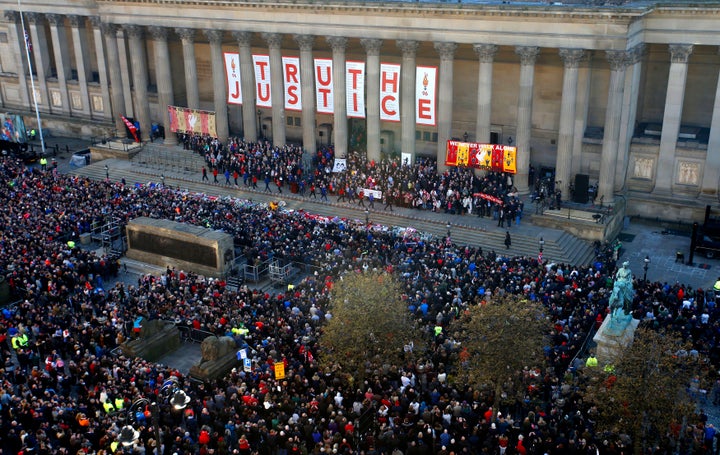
(265, 167)
(64, 389)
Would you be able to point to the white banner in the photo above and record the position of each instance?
(262, 80)
(324, 85)
(232, 75)
(355, 88)
(340, 165)
(425, 82)
(390, 92)
(291, 83)
(377, 194)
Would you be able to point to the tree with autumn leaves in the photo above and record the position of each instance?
(370, 326)
(646, 395)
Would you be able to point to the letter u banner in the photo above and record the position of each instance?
(262, 80)
(232, 75)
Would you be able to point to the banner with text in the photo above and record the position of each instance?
(324, 85)
(184, 120)
(232, 75)
(425, 84)
(390, 92)
(291, 83)
(488, 157)
(355, 88)
(261, 64)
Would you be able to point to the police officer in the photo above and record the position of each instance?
(43, 163)
(20, 341)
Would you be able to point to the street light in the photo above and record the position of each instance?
(107, 172)
(367, 217)
(447, 226)
(162, 179)
(128, 436)
(259, 126)
(541, 243)
(645, 267)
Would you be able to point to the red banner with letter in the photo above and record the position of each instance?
(487, 157)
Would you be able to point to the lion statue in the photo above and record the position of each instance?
(214, 348)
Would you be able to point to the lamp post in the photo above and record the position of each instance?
(646, 264)
(162, 179)
(259, 125)
(107, 172)
(541, 244)
(367, 217)
(447, 226)
(170, 393)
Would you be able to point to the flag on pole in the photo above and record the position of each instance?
(28, 43)
(131, 127)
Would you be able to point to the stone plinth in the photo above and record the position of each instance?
(156, 339)
(610, 341)
(218, 358)
(184, 246)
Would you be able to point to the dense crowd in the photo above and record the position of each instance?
(63, 390)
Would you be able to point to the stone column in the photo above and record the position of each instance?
(307, 92)
(629, 113)
(187, 36)
(581, 109)
(125, 76)
(606, 185)
(372, 81)
(528, 56)
(40, 55)
(219, 89)
(164, 80)
(17, 40)
(106, 113)
(486, 55)
(711, 174)
(62, 59)
(679, 55)
(407, 97)
(563, 161)
(80, 46)
(247, 84)
(140, 78)
(277, 91)
(117, 94)
(445, 98)
(340, 121)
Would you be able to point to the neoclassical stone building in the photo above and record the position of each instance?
(627, 94)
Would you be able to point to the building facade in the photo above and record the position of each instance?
(628, 94)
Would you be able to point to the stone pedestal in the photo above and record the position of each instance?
(156, 339)
(611, 341)
(218, 358)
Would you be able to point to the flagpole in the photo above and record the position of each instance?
(32, 79)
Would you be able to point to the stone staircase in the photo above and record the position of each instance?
(182, 169)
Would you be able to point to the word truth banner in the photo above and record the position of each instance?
(185, 120)
(487, 157)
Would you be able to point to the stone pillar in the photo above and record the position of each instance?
(40, 55)
(307, 92)
(372, 81)
(711, 174)
(679, 55)
(606, 184)
(125, 76)
(528, 56)
(187, 36)
(247, 84)
(629, 113)
(117, 94)
(445, 98)
(219, 89)
(164, 80)
(486, 55)
(407, 97)
(80, 46)
(277, 91)
(581, 109)
(62, 59)
(140, 79)
(17, 40)
(98, 38)
(340, 121)
(563, 161)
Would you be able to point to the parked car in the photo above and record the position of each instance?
(707, 245)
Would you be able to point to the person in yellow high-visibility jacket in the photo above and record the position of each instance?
(108, 407)
(591, 361)
(119, 403)
(716, 286)
(19, 341)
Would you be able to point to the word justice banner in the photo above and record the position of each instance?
(487, 157)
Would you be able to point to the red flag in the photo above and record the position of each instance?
(173, 119)
(131, 127)
(497, 158)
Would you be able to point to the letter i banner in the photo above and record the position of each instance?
(355, 86)
(232, 74)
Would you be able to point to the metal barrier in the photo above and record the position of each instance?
(253, 272)
(279, 273)
(190, 335)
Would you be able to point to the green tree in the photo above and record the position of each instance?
(370, 325)
(644, 395)
(501, 346)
